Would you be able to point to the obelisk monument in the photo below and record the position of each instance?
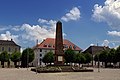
(59, 54)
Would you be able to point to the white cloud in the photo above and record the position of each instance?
(16, 28)
(9, 36)
(42, 20)
(2, 29)
(74, 14)
(26, 34)
(114, 33)
(92, 44)
(35, 32)
(105, 43)
(109, 13)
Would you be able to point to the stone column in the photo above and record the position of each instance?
(59, 54)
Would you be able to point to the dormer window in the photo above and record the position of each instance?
(49, 45)
(74, 47)
(45, 45)
(70, 47)
(65, 46)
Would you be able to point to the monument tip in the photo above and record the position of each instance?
(59, 22)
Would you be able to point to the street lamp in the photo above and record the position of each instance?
(98, 60)
(37, 52)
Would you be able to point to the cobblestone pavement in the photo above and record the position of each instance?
(24, 74)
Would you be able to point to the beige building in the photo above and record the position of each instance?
(9, 45)
(48, 45)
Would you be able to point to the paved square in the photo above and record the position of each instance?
(24, 74)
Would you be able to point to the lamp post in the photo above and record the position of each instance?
(98, 60)
(37, 52)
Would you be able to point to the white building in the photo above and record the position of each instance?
(48, 45)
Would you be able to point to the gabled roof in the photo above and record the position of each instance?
(8, 42)
(95, 49)
(49, 43)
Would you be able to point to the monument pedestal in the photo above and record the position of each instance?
(59, 60)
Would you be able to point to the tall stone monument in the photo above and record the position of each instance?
(59, 54)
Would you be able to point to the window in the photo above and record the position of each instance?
(45, 45)
(40, 55)
(40, 50)
(65, 46)
(2, 48)
(74, 47)
(70, 47)
(9, 50)
(49, 45)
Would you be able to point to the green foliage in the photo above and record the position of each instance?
(118, 54)
(112, 56)
(103, 56)
(27, 57)
(79, 58)
(4, 57)
(96, 57)
(15, 57)
(88, 57)
(69, 56)
(48, 58)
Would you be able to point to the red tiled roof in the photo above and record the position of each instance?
(49, 43)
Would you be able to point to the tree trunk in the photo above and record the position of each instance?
(8, 64)
(15, 64)
(2, 64)
(105, 64)
(119, 64)
(79, 64)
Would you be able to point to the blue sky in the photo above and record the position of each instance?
(85, 22)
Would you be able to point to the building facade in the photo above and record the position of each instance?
(93, 50)
(48, 45)
(9, 45)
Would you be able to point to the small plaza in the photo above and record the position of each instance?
(26, 74)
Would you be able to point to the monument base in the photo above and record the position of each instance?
(59, 60)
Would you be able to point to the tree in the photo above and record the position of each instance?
(118, 55)
(103, 57)
(88, 57)
(15, 57)
(27, 57)
(48, 58)
(69, 56)
(114, 56)
(79, 58)
(4, 57)
(96, 57)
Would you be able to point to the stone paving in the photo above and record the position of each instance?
(24, 74)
